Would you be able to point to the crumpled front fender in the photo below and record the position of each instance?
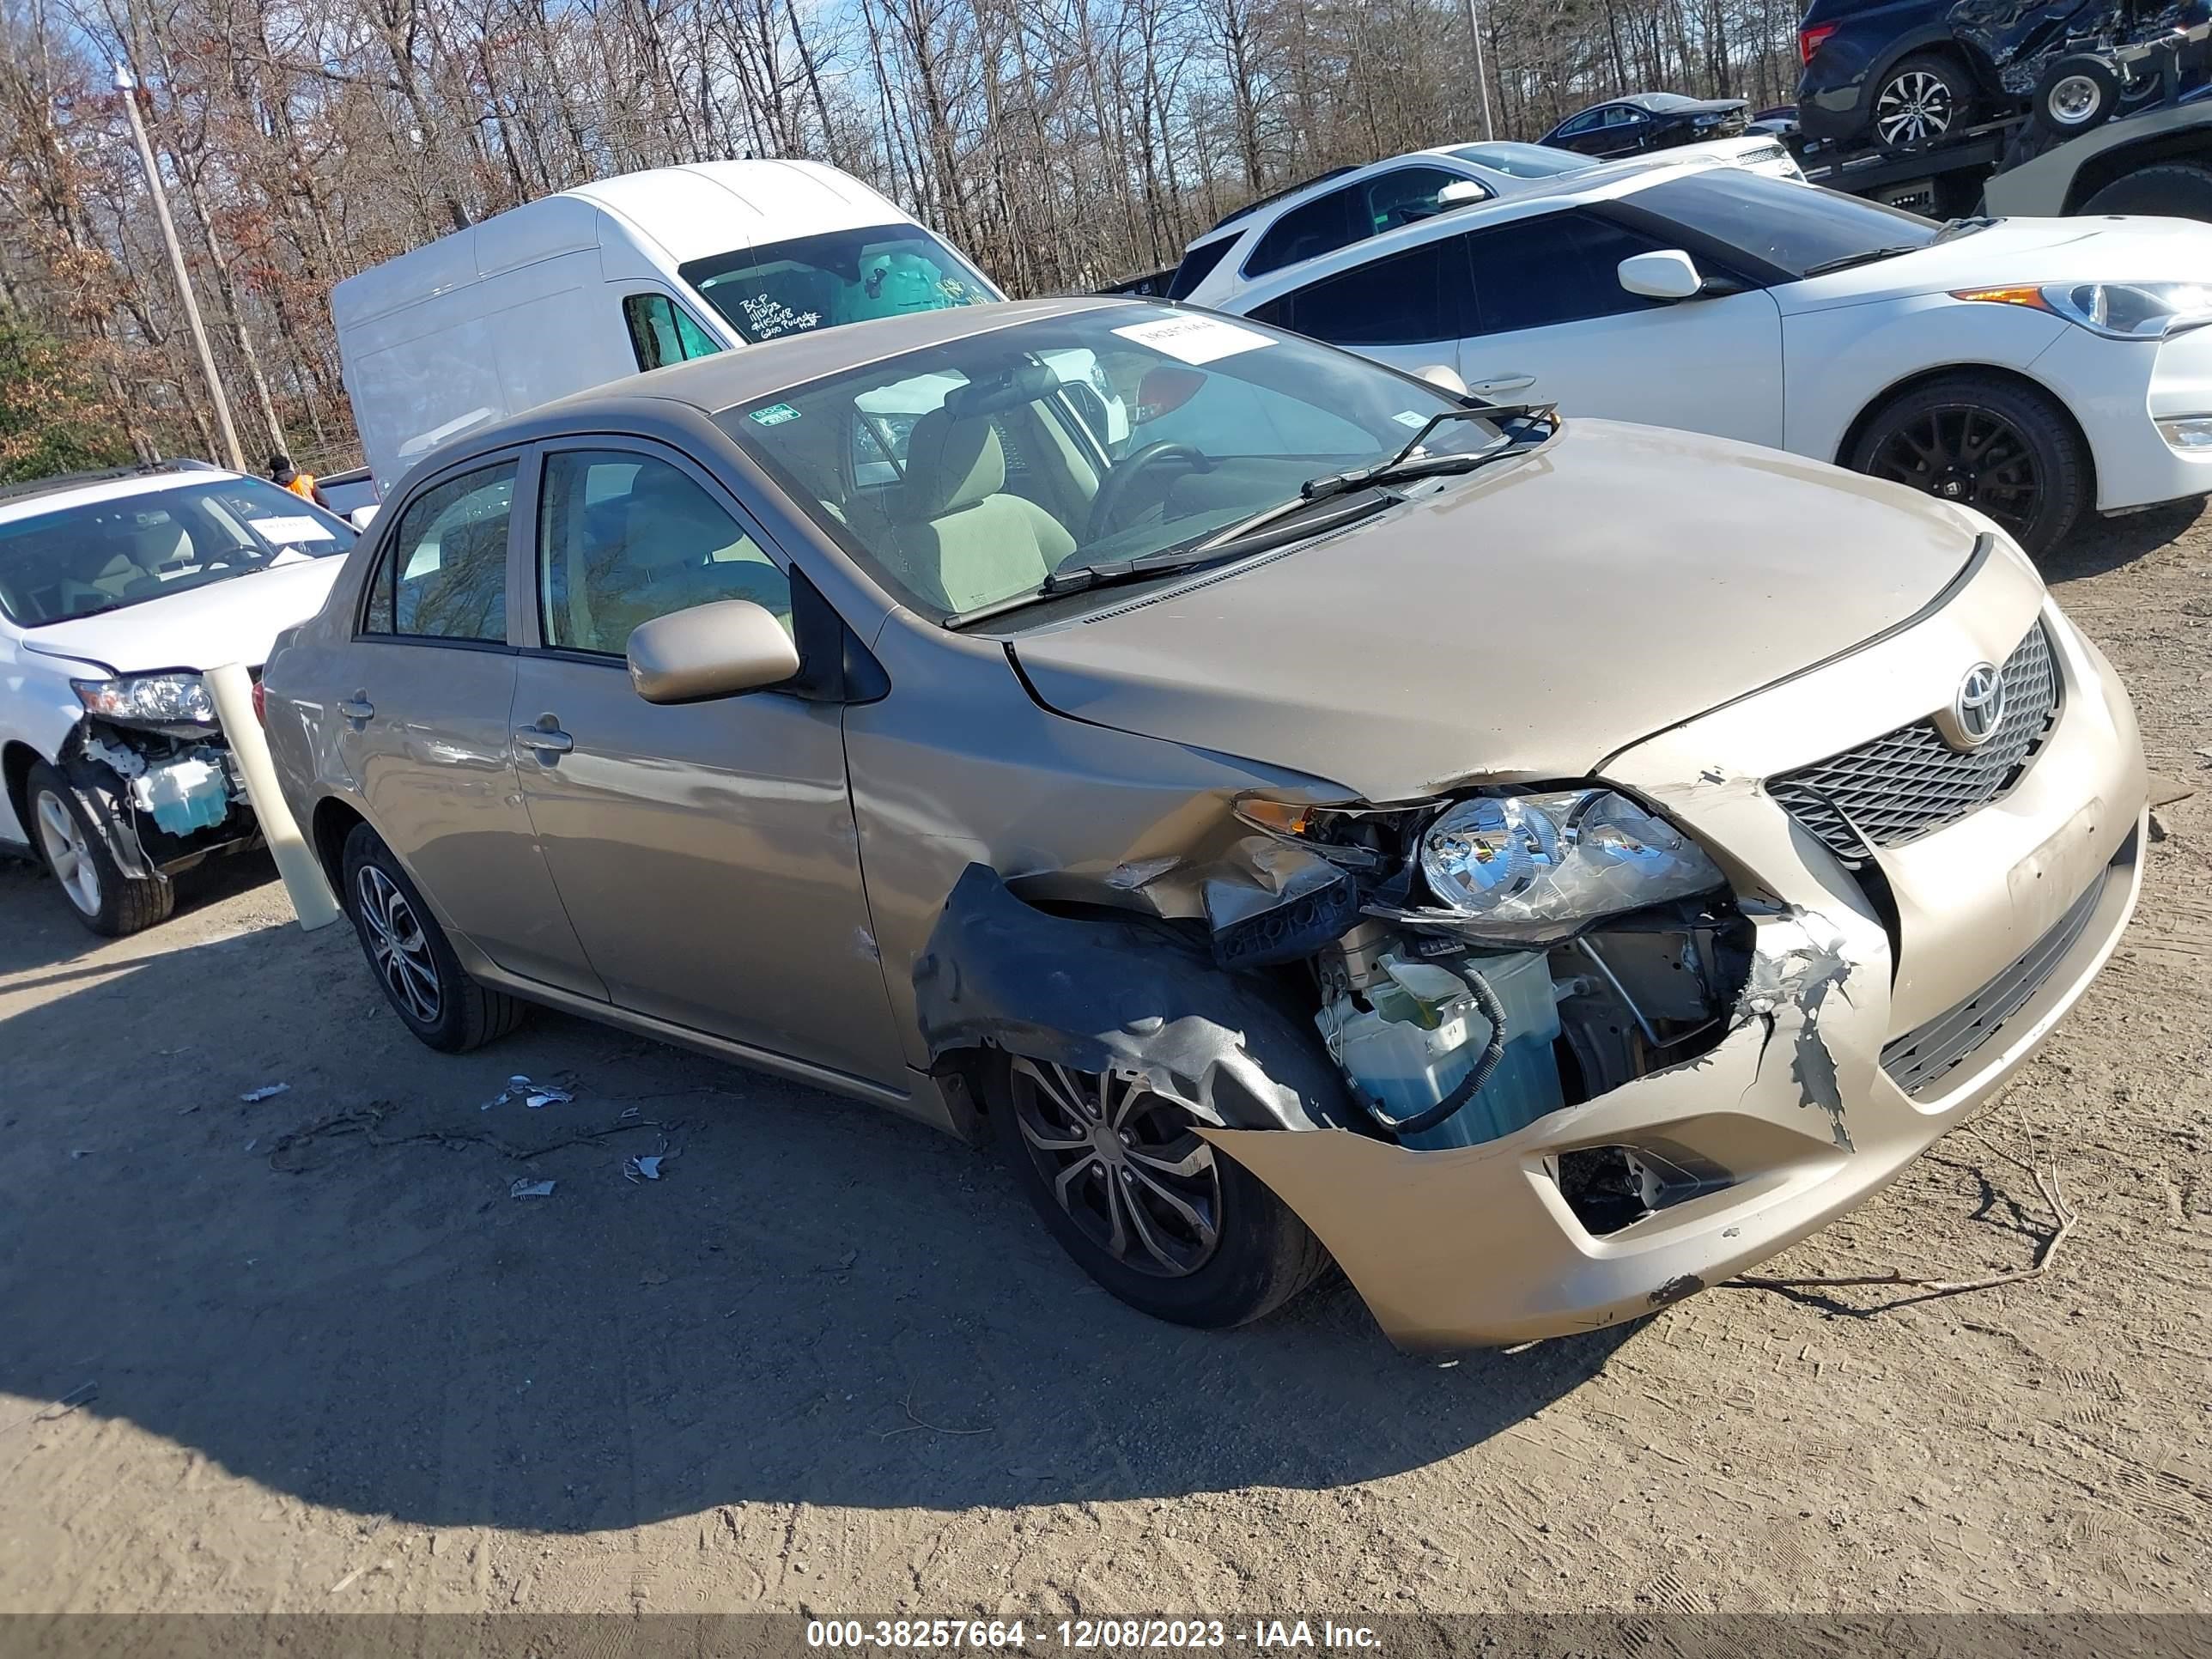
(1128, 998)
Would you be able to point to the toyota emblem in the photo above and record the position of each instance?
(1976, 710)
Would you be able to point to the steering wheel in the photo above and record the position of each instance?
(1106, 506)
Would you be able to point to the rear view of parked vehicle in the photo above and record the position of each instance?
(2031, 369)
(1315, 823)
(117, 589)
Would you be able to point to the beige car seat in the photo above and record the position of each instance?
(967, 542)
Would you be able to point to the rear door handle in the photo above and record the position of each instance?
(543, 739)
(1505, 382)
(358, 708)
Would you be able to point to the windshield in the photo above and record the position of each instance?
(1524, 160)
(103, 556)
(1788, 225)
(965, 474)
(839, 277)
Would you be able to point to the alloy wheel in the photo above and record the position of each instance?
(397, 946)
(1913, 109)
(68, 854)
(1124, 1164)
(1965, 455)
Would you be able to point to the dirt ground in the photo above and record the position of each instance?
(832, 1363)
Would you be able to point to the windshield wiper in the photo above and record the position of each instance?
(1864, 257)
(1405, 466)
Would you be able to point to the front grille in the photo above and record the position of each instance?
(1758, 153)
(1910, 782)
(1925, 1055)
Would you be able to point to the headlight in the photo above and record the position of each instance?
(1567, 856)
(2119, 311)
(174, 698)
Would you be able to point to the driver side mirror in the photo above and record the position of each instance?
(1444, 378)
(1466, 192)
(1668, 274)
(713, 650)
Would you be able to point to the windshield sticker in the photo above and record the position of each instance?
(775, 415)
(767, 317)
(300, 528)
(1410, 417)
(1194, 339)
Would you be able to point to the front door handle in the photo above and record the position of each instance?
(544, 739)
(358, 708)
(1508, 381)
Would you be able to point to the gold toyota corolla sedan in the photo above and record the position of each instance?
(1544, 866)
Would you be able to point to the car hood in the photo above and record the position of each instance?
(233, 621)
(1527, 622)
(2019, 253)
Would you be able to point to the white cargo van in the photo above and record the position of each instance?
(622, 275)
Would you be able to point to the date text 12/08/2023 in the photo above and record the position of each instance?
(936, 1634)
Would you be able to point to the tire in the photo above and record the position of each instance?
(2175, 190)
(1983, 442)
(1921, 100)
(74, 854)
(2077, 93)
(1262, 1254)
(407, 950)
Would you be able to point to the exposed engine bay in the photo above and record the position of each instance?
(165, 799)
(1469, 966)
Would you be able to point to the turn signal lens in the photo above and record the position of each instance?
(2031, 297)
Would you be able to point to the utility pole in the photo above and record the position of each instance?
(1481, 75)
(127, 84)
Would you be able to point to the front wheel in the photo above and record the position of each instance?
(75, 853)
(421, 977)
(2007, 449)
(1145, 1206)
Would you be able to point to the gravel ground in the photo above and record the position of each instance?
(832, 1363)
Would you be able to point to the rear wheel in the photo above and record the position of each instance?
(1146, 1205)
(76, 855)
(1983, 442)
(2077, 93)
(422, 978)
(1923, 101)
(2174, 190)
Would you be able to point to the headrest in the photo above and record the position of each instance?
(952, 462)
(675, 524)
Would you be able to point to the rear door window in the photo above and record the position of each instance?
(443, 575)
(1406, 299)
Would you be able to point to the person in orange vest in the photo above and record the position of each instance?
(281, 471)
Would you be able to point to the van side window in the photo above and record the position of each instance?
(623, 537)
(443, 575)
(662, 332)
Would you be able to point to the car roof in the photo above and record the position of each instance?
(1246, 218)
(66, 490)
(745, 374)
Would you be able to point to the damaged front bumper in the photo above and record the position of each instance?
(1880, 1010)
(161, 803)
